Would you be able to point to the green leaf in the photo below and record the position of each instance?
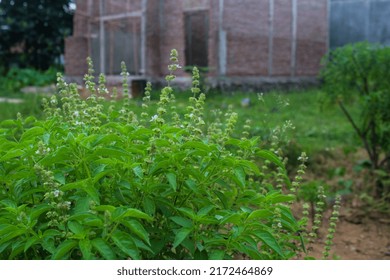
(105, 250)
(92, 192)
(75, 227)
(216, 255)
(17, 248)
(187, 212)
(270, 241)
(278, 197)
(108, 208)
(149, 206)
(162, 142)
(221, 196)
(64, 248)
(4, 246)
(30, 120)
(122, 212)
(60, 178)
(181, 221)
(86, 249)
(288, 220)
(205, 210)
(38, 210)
(98, 169)
(87, 219)
(137, 228)
(240, 176)
(302, 243)
(180, 236)
(251, 251)
(198, 146)
(12, 154)
(119, 194)
(249, 165)
(85, 185)
(61, 155)
(191, 184)
(268, 155)
(51, 233)
(32, 132)
(234, 218)
(82, 205)
(172, 180)
(10, 233)
(142, 246)
(110, 152)
(260, 214)
(138, 171)
(46, 138)
(6, 145)
(30, 242)
(126, 244)
(8, 123)
(158, 166)
(106, 139)
(48, 245)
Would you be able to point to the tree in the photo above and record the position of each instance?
(32, 32)
(361, 72)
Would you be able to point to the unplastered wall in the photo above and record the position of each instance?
(247, 38)
(171, 32)
(76, 46)
(359, 20)
(267, 38)
(311, 37)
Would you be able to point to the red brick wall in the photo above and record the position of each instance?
(247, 27)
(312, 30)
(282, 40)
(213, 38)
(76, 46)
(80, 19)
(246, 24)
(153, 32)
(76, 52)
(171, 33)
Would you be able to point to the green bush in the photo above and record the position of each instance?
(33, 32)
(17, 78)
(94, 183)
(361, 73)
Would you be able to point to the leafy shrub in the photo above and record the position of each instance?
(17, 78)
(94, 183)
(361, 73)
(32, 36)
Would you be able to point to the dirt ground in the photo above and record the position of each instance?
(357, 238)
(363, 230)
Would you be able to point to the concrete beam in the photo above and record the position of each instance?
(222, 54)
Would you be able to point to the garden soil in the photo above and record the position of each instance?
(357, 238)
(363, 230)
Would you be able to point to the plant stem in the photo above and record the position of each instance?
(361, 135)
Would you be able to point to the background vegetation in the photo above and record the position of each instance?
(32, 33)
(361, 73)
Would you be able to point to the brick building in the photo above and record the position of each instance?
(237, 41)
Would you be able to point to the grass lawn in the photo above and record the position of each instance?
(30, 106)
(317, 126)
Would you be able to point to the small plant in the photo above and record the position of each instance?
(361, 73)
(92, 182)
(15, 79)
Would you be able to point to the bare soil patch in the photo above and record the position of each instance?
(363, 230)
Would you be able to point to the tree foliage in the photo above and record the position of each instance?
(361, 73)
(32, 32)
